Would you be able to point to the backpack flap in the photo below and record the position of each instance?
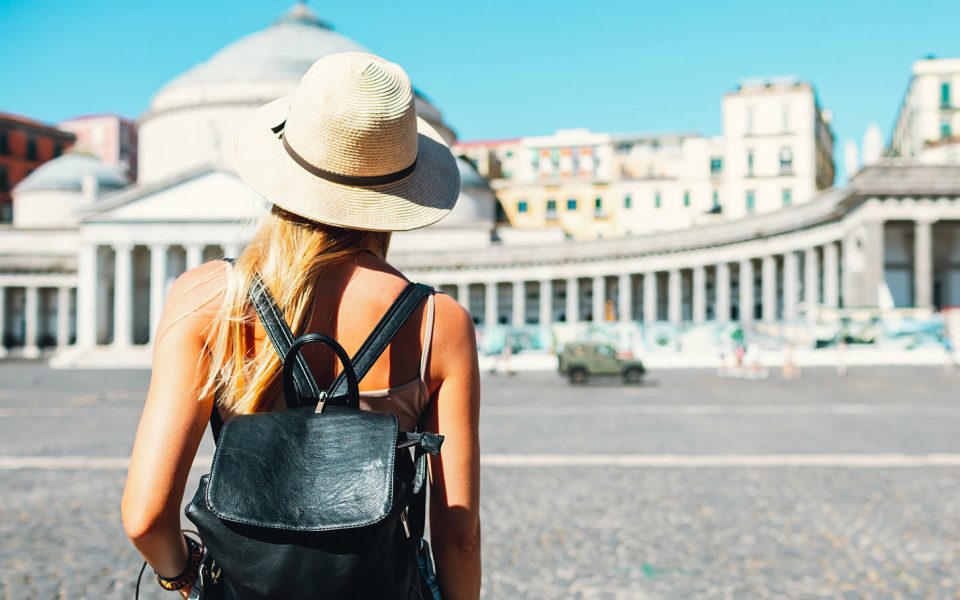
(305, 471)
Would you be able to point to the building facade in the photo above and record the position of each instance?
(25, 144)
(775, 150)
(927, 128)
(111, 138)
(87, 262)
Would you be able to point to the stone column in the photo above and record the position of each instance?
(3, 320)
(87, 296)
(546, 302)
(811, 283)
(768, 283)
(599, 303)
(746, 291)
(674, 297)
(122, 295)
(791, 286)
(231, 250)
(31, 314)
(63, 317)
(831, 276)
(699, 294)
(490, 303)
(922, 263)
(872, 279)
(573, 300)
(649, 298)
(463, 295)
(194, 256)
(625, 298)
(158, 285)
(722, 309)
(519, 303)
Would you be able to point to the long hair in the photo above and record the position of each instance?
(291, 255)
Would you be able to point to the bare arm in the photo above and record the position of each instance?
(455, 489)
(173, 421)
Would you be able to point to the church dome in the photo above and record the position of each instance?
(476, 205)
(191, 121)
(283, 51)
(67, 173)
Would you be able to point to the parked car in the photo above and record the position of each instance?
(581, 361)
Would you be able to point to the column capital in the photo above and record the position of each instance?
(122, 247)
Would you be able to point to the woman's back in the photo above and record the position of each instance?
(352, 299)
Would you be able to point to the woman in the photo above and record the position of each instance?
(344, 162)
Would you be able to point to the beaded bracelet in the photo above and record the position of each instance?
(194, 557)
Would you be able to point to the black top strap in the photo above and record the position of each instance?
(386, 329)
(271, 317)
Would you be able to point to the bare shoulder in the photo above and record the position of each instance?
(194, 298)
(455, 338)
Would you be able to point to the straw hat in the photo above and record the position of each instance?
(347, 149)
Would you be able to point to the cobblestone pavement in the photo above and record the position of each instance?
(569, 531)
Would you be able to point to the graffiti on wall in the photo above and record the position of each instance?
(897, 328)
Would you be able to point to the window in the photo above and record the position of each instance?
(749, 163)
(571, 204)
(32, 149)
(787, 196)
(598, 207)
(946, 131)
(686, 199)
(6, 212)
(551, 209)
(656, 200)
(751, 202)
(716, 165)
(4, 180)
(627, 202)
(522, 206)
(945, 94)
(786, 161)
(715, 206)
(749, 119)
(785, 118)
(555, 157)
(57, 149)
(4, 143)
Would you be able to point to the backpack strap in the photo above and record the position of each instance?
(271, 317)
(371, 349)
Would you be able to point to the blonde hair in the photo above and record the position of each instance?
(291, 255)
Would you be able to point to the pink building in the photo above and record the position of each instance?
(111, 138)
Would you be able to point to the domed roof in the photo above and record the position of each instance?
(67, 173)
(285, 50)
(476, 206)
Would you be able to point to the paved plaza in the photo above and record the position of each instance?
(689, 486)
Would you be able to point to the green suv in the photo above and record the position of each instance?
(581, 361)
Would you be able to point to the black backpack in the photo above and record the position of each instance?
(321, 500)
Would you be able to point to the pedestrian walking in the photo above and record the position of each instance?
(320, 456)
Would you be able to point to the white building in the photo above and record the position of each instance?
(927, 128)
(775, 150)
(86, 264)
(111, 138)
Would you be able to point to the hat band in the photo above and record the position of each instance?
(351, 180)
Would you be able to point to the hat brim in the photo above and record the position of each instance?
(418, 200)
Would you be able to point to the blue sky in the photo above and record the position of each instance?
(502, 68)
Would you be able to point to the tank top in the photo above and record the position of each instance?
(407, 401)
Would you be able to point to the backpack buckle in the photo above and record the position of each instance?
(321, 402)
